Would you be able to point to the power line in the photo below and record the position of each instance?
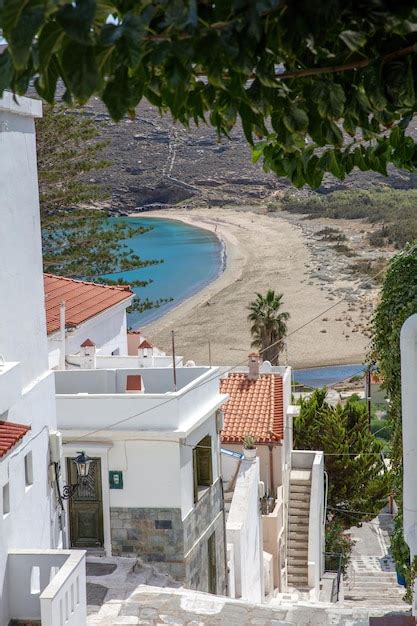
(228, 370)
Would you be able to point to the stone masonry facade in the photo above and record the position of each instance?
(177, 547)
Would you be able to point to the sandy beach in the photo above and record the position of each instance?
(263, 252)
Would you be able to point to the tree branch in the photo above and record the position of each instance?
(354, 65)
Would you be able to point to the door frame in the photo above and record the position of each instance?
(98, 450)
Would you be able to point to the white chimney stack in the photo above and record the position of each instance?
(88, 355)
(253, 364)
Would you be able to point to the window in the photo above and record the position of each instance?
(6, 499)
(202, 466)
(28, 470)
(116, 352)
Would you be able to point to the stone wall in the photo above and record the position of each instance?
(154, 535)
(176, 547)
(205, 518)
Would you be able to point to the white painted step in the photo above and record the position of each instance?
(300, 477)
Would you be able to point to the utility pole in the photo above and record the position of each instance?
(174, 365)
(368, 393)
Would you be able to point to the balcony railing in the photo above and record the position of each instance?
(47, 585)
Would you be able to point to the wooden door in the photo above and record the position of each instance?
(212, 565)
(86, 507)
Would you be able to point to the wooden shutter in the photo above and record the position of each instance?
(195, 474)
(204, 464)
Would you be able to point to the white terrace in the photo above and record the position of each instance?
(90, 399)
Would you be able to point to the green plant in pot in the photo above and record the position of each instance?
(249, 447)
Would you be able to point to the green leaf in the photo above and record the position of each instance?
(353, 39)
(330, 98)
(76, 19)
(48, 42)
(46, 84)
(22, 35)
(295, 118)
(80, 70)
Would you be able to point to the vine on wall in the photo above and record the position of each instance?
(398, 302)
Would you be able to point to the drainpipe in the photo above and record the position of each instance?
(271, 468)
(408, 343)
(62, 335)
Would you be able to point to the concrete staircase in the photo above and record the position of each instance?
(298, 519)
(366, 586)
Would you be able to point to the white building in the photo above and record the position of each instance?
(293, 480)
(409, 432)
(154, 488)
(29, 515)
(77, 310)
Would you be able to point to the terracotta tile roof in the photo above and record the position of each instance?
(87, 344)
(256, 408)
(145, 344)
(82, 300)
(10, 434)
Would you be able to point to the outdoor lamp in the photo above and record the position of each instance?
(82, 461)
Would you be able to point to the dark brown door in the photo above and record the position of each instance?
(86, 507)
(212, 566)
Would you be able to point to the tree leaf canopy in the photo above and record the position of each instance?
(322, 86)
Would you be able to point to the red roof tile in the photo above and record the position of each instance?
(145, 344)
(87, 344)
(82, 300)
(10, 433)
(256, 408)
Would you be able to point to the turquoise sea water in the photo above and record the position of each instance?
(192, 256)
(329, 375)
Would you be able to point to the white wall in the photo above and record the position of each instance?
(244, 531)
(264, 455)
(31, 521)
(151, 473)
(108, 330)
(186, 452)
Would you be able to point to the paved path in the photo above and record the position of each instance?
(372, 580)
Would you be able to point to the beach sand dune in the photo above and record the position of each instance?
(263, 252)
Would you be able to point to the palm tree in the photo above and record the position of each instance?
(269, 325)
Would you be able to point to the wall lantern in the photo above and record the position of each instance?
(82, 462)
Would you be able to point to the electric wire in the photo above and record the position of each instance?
(240, 363)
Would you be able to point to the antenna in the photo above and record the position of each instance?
(174, 366)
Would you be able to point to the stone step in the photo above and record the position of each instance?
(299, 537)
(298, 550)
(299, 494)
(300, 505)
(297, 569)
(299, 582)
(300, 477)
(295, 521)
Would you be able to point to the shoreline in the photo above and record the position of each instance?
(222, 264)
(228, 273)
(261, 252)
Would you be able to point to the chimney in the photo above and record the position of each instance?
(134, 384)
(134, 339)
(88, 355)
(253, 364)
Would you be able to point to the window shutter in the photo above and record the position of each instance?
(195, 474)
(205, 470)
